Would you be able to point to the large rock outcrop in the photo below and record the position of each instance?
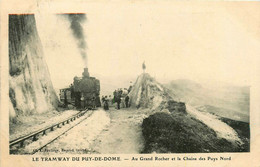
(30, 86)
(148, 93)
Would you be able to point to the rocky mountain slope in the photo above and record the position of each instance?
(174, 126)
(30, 86)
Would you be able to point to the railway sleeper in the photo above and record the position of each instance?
(35, 137)
(22, 143)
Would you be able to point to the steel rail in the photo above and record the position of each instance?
(41, 147)
(33, 135)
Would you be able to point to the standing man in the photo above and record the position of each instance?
(106, 106)
(93, 102)
(126, 101)
(82, 102)
(144, 66)
(118, 100)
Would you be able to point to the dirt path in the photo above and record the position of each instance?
(123, 135)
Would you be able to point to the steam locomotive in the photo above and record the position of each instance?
(83, 93)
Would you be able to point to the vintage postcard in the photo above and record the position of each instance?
(130, 83)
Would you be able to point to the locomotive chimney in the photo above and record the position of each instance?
(85, 73)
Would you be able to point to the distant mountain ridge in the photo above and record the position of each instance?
(224, 100)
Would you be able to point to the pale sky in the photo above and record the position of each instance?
(202, 42)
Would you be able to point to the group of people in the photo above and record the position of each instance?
(120, 97)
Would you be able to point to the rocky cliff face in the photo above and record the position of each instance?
(30, 86)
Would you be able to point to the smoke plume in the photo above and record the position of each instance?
(76, 21)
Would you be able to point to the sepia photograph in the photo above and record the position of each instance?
(136, 78)
(104, 112)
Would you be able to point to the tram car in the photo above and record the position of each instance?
(83, 93)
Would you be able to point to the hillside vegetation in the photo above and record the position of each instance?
(181, 133)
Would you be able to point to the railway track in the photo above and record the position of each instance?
(20, 144)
